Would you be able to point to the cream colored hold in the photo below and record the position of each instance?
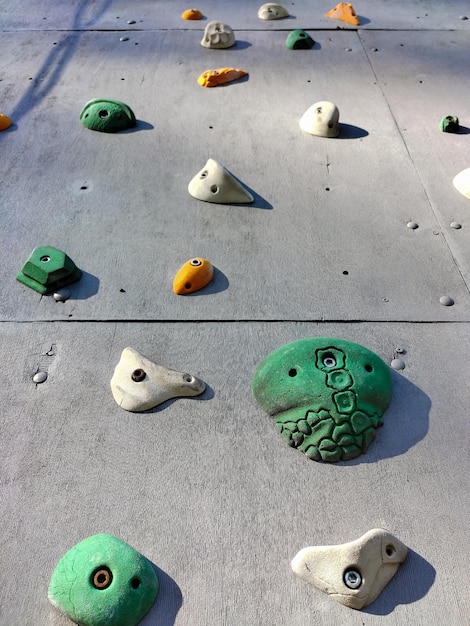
(354, 573)
(216, 184)
(139, 384)
(218, 35)
(462, 182)
(321, 119)
(272, 11)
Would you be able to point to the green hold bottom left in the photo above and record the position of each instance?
(103, 581)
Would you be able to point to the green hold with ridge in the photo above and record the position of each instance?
(299, 40)
(327, 396)
(103, 581)
(48, 269)
(107, 116)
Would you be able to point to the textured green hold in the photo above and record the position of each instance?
(449, 124)
(299, 40)
(102, 581)
(107, 116)
(326, 395)
(48, 269)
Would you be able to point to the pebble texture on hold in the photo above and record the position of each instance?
(216, 184)
(326, 395)
(345, 12)
(218, 35)
(212, 78)
(321, 119)
(194, 275)
(107, 116)
(354, 573)
(48, 269)
(299, 40)
(139, 384)
(103, 581)
(272, 11)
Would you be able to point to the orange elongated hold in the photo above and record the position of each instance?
(195, 274)
(192, 14)
(212, 78)
(345, 12)
(5, 122)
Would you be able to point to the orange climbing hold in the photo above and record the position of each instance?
(345, 12)
(212, 78)
(192, 276)
(5, 122)
(192, 14)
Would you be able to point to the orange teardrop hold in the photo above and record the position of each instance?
(212, 78)
(192, 14)
(5, 122)
(192, 276)
(345, 12)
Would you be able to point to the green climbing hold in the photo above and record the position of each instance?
(326, 395)
(449, 124)
(103, 581)
(107, 116)
(48, 269)
(299, 40)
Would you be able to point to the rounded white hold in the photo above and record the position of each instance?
(462, 182)
(124, 39)
(131, 21)
(321, 119)
(397, 364)
(354, 573)
(446, 300)
(455, 225)
(139, 384)
(216, 184)
(272, 11)
(413, 225)
(218, 35)
(463, 17)
(40, 377)
(61, 295)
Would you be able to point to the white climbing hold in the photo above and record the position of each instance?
(321, 119)
(272, 11)
(218, 35)
(354, 573)
(462, 182)
(139, 384)
(216, 184)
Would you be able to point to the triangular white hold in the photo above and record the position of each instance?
(216, 184)
(462, 182)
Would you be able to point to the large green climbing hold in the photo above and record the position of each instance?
(107, 116)
(297, 384)
(449, 124)
(103, 581)
(48, 269)
(299, 40)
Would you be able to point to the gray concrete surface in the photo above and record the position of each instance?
(205, 487)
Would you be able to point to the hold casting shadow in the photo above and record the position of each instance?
(85, 288)
(406, 422)
(207, 395)
(463, 130)
(239, 45)
(140, 125)
(167, 604)
(348, 131)
(363, 20)
(413, 580)
(219, 283)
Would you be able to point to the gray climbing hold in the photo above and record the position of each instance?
(446, 300)
(40, 377)
(62, 295)
(413, 225)
(397, 364)
(455, 225)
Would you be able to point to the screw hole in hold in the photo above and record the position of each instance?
(138, 375)
(103, 113)
(135, 583)
(188, 378)
(196, 262)
(203, 174)
(214, 189)
(292, 372)
(329, 360)
(101, 577)
(330, 124)
(368, 368)
(352, 579)
(389, 550)
(45, 259)
(187, 285)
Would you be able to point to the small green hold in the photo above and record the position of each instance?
(326, 395)
(48, 269)
(299, 40)
(449, 124)
(107, 116)
(103, 581)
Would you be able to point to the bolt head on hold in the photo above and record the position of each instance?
(48, 269)
(321, 119)
(103, 581)
(218, 35)
(299, 40)
(354, 573)
(194, 275)
(449, 124)
(272, 11)
(107, 116)
(327, 396)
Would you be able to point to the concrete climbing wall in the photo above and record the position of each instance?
(205, 487)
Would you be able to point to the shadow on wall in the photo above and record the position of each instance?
(167, 604)
(412, 582)
(56, 61)
(406, 422)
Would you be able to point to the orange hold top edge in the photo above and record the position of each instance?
(345, 12)
(212, 78)
(192, 14)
